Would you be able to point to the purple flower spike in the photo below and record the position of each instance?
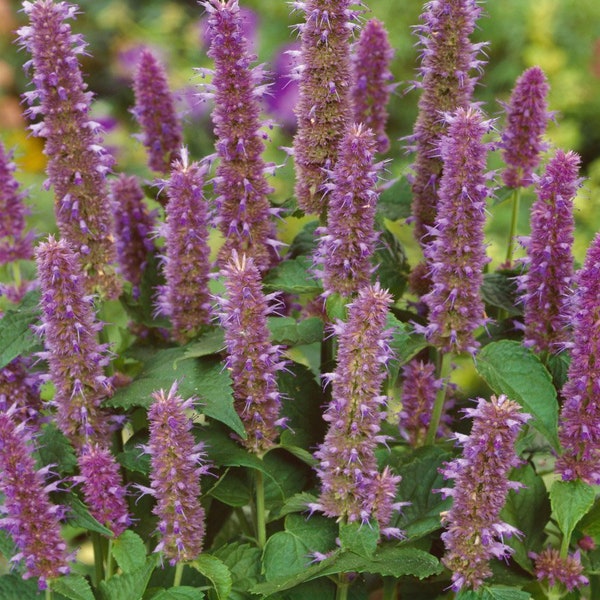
(77, 162)
(348, 241)
(15, 244)
(324, 107)
(76, 360)
(351, 487)
(456, 252)
(372, 88)
(154, 110)
(448, 59)
(29, 517)
(176, 465)
(568, 571)
(185, 297)
(243, 209)
(526, 119)
(134, 225)
(252, 359)
(103, 488)
(579, 430)
(474, 532)
(547, 284)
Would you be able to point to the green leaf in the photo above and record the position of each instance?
(558, 365)
(233, 488)
(392, 264)
(298, 503)
(500, 290)
(205, 378)
(509, 368)
(79, 516)
(224, 452)
(289, 332)
(305, 241)
(16, 337)
(293, 277)
(570, 501)
(405, 344)
(243, 560)
(13, 587)
(494, 593)
(287, 476)
(216, 570)
(129, 551)
(127, 586)
(395, 202)
(359, 538)
(212, 342)
(73, 587)
(183, 592)
(135, 460)
(8, 548)
(54, 448)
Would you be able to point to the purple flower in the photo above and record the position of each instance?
(372, 88)
(348, 241)
(243, 209)
(176, 465)
(134, 225)
(568, 571)
(324, 108)
(20, 388)
(185, 297)
(448, 59)
(77, 162)
(15, 244)
(351, 486)
(252, 359)
(249, 22)
(103, 488)
(76, 360)
(546, 287)
(283, 93)
(474, 532)
(526, 119)
(579, 430)
(456, 252)
(155, 112)
(29, 517)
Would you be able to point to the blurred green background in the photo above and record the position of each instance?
(561, 36)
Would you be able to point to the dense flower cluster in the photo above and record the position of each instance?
(546, 286)
(252, 359)
(568, 571)
(474, 532)
(77, 162)
(177, 462)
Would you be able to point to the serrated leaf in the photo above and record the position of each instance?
(233, 488)
(494, 593)
(289, 332)
(243, 561)
(13, 587)
(212, 342)
(73, 587)
(16, 337)
(135, 460)
(500, 291)
(570, 501)
(183, 592)
(54, 448)
(204, 378)
(509, 368)
(395, 202)
(224, 452)
(129, 551)
(79, 516)
(293, 277)
(217, 572)
(127, 586)
(359, 538)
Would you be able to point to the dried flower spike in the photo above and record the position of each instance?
(29, 516)
(154, 110)
(77, 162)
(546, 286)
(324, 107)
(474, 532)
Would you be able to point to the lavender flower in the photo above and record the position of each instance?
(75, 358)
(324, 109)
(155, 112)
(30, 518)
(185, 297)
(372, 88)
(177, 463)
(348, 241)
(568, 571)
(546, 285)
(351, 487)
(77, 162)
(579, 430)
(20, 388)
(447, 60)
(457, 250)
(243, 209)
(15, 244)
(526, 119)
(252, 359)
(103, 488)
(474, 532)
(134, 225)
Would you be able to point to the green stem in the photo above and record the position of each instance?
(343, 585)
(389, 588)
(109, 560)
(178, 574)
(261, 526)
(98, 557)
(564, 546)
(516, 201)
(49, 594)
(16, 272)
(594, 587)
(444, 365)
